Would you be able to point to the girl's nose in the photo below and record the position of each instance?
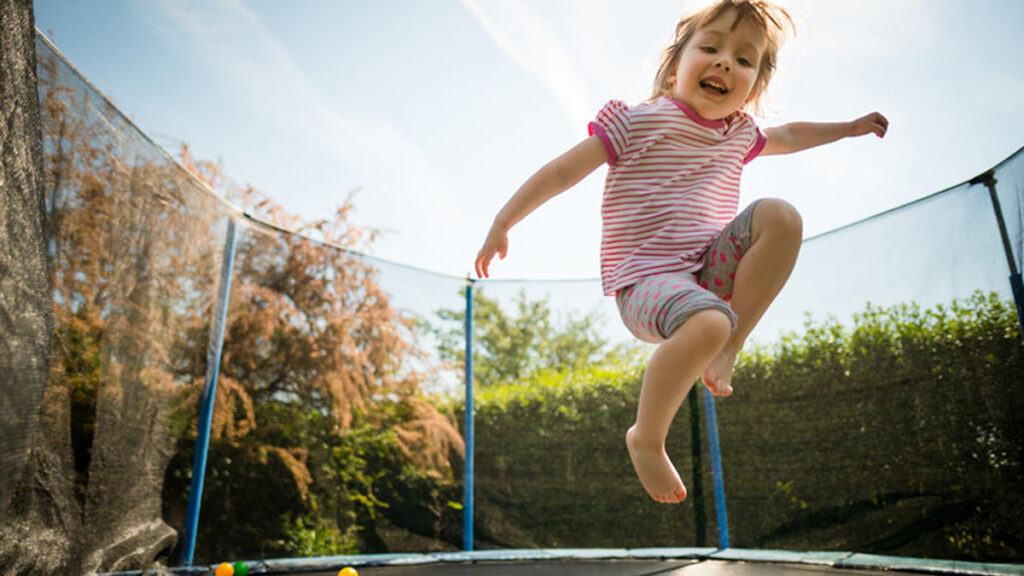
(723, 64)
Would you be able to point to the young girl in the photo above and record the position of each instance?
(686, 271)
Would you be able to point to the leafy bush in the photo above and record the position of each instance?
(519, 346)
(899, 435)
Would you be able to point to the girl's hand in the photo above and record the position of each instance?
(496, 243)
(869, 123)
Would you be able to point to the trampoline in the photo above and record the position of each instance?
(622, 562)
(951, 489)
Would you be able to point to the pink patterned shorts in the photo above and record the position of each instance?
(656, 306)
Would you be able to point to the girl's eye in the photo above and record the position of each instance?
(745, 62)
(708, 49)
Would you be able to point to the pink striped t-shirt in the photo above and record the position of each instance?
(673, 183)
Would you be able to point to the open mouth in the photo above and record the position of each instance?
(713, 86)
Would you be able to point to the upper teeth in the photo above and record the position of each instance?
(713, 84)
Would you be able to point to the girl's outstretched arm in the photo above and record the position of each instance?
(551, 180)
(803, 135)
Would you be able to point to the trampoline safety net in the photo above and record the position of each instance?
(877, 411)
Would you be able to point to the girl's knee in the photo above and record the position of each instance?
(714, 324)
(780, 216)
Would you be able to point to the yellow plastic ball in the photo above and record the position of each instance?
(348, 571)
(224, 569)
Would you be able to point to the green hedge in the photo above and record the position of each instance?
(355, 494)
(552, 468)
(898, 435)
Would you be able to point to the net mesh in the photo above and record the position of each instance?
(941, 247)
(874, 427)
(24, 298)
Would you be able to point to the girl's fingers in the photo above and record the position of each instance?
(482, 263)
(881, 124)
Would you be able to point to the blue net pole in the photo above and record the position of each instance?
(467, 497)
(716, 470)
(1016, 285)
(195, 494)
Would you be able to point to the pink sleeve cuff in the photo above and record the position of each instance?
(758, 146)
(595, 128)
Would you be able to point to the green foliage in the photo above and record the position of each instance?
(359, 483)
(552, 469)
(896, 435)
(78, 359)
(311, 535)
(510, 347)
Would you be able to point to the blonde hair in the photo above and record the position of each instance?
(774, 20)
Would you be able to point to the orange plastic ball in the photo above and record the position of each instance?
(348, 571)
(224, 569)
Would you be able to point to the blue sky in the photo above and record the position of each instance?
(438, 110)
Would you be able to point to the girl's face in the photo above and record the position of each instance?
(718, 66)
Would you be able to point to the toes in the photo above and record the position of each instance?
(718, 389)
(673, 498)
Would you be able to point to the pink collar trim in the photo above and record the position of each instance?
(697, 117)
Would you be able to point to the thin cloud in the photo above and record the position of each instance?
(245, 58)
(528, 41)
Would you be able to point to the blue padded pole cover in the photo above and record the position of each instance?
(716, 470)
(214, 350)
(467, 486)
(1018, 297)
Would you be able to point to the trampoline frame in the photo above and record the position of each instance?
(827, 560)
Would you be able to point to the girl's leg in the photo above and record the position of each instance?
(776, 231)
(670, 374)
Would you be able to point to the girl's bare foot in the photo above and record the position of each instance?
(655, 470)
(718, 375)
